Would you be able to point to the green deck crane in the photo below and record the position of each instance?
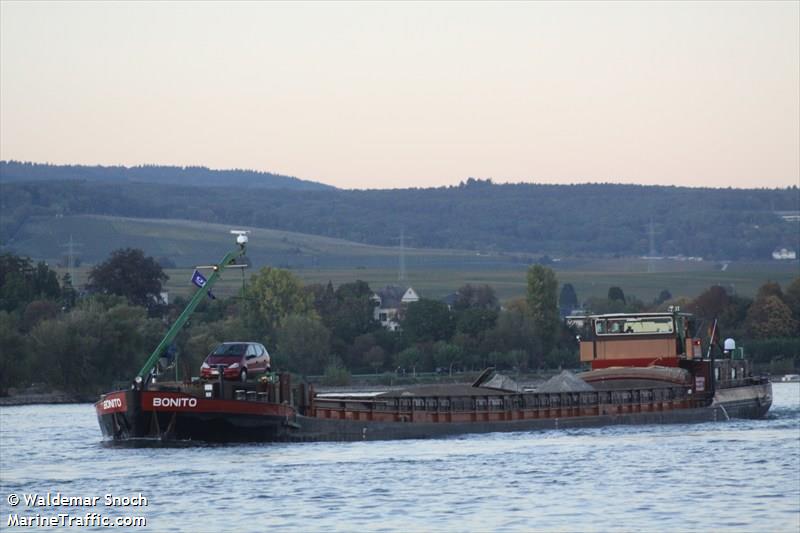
(201, 292)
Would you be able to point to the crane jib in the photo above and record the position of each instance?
(199, 294)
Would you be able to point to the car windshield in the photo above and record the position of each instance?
(230, 350)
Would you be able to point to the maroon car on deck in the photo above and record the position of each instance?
(237, 360)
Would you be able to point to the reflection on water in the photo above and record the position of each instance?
(740, 475)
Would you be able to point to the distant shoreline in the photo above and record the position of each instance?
(43, 398)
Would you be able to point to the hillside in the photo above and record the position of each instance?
(187, 243)
(434, 273)
(18, 172)
(558, 220)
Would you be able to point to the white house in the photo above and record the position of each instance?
(389, 304)
(784, 254)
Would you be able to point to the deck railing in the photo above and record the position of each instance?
(504, 406)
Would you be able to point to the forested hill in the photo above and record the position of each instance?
(15, 171)
(598, 219)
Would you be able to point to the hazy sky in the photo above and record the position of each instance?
(384, 95)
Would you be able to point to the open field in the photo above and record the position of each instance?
(512, 284)
(189, 243)
(438, 283)
(433, 273)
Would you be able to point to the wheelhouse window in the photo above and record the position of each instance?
(634, 326)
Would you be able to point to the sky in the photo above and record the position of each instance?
(394, 95)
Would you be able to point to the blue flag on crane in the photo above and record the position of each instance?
(200, 280)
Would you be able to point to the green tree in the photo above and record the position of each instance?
(716, 303)
(732, 317)
(93, 346)
(353, 313)
(475, 321)
(12, 280)
(517, 359)
(22, 282)
(472, 326)
(127, 272)
(515, 330)
(304, 342)
(769, 317)
(561, 357)
(13, 354)
(473, 348)
(634, 304)
(68, 293)
(375, 357)
(567, 299)
(427, 320)
(604, 305)
(38, 310)
(336, 375)
(616, 294)
(792, 299)
(447, 355)
(770, 288)
(323, 298)
(543, 305)
(662, 297)
(511, 360)
(273, 295)
(45, 282)
(411, 357)
(356, 356)
(475, 297)
(710, 303)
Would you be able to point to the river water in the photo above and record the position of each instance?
(738, 475)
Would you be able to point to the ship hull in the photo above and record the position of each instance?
(132, 416)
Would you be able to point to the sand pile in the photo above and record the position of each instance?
(566, 381)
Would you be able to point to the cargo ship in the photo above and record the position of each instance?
(644, 368)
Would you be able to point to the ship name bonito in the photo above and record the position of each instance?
(174, 402)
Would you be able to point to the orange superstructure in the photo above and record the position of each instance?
(639, 339)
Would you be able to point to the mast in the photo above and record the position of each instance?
(712, 364)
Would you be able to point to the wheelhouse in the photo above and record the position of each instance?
(639, 339)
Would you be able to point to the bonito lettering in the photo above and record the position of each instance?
(174, 402)
(112, 403)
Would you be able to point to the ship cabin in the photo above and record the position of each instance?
(638, 339)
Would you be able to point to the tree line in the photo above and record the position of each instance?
(18, 171)
(560, 220)
(85, 340)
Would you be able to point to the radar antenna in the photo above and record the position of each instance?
(241, 236)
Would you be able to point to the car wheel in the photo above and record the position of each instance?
(243, 375)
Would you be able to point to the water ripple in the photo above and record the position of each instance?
(738, 475)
